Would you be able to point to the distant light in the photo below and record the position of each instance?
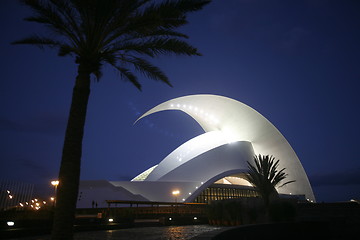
(170, 219)
(183, 199)
(189, 193)
(8, 191)
(175, 192)
(111, 219)
(195, 218)
(10, 223)
(202, 182)
(55, 183)
(10, 196)
(21, 204)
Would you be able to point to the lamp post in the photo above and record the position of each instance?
(55, 183)
(175, 193)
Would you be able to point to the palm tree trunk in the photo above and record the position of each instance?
(69, 175)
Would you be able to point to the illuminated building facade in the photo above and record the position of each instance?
(212, 165)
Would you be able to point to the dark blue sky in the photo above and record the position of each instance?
(296, 62)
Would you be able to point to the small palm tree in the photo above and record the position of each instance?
(265, 176)
(122, 33)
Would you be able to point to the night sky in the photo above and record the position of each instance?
(295, 62)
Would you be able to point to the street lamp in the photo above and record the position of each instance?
(55, 183)
(175, 193)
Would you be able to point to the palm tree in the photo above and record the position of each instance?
(264, 176)
(122, 33)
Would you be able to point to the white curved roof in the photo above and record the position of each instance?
(226, 120)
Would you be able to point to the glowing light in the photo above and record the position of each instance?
(170, 219)
(195, 218)
(111, 220)
(55, 183)
(176, 192)
(10, 223)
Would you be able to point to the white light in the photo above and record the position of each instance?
(195, 218)
(10, 223)
(111, 220)
(184, 106)
(178, 105)
(171, 105)
(202, 183)
(189, 193)
(170, 219)
(175, 192)
(183, 199)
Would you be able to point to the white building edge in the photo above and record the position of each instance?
(234, 133)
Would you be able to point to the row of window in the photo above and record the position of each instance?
(216, 193)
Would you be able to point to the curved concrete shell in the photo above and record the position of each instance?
(226, 122)
(234, 133)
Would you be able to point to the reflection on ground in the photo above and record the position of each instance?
(147, 233)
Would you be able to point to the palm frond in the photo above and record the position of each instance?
(48, 15)
(264, 176)
(159, 46)
(128, 75)
(38, 41)
(148, 69)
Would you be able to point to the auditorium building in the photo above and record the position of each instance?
(210, 166)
